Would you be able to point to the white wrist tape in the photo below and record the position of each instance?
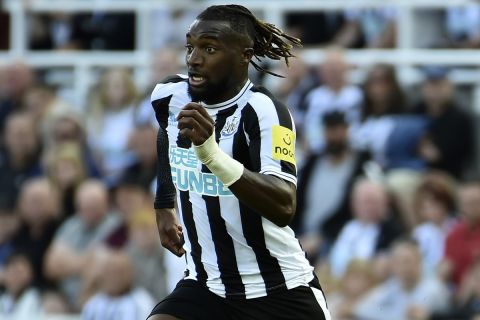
(227, 169)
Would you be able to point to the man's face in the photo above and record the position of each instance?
(336, 138)
(214, 61)
(406, 265)
(437, 92)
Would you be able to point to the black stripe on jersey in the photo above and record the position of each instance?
(196, 251)
(226, 259)
(165, 193)
(252, 221)
(252, 128)
(161, 107)
(187, 213)
(223, 242)
(284, 119)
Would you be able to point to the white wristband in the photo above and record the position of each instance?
(227, 169)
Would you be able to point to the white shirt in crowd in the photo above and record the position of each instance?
(431, 240)
(27, 305)
(357, 240)
(390, 298)
(322, 100)
(135, 305)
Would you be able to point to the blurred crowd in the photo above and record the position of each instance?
(388, 211)
(388, 200)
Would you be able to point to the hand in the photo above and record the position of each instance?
(170, 231)
(428, 150)
(195, 123)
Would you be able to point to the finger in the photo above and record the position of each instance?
(191, 123)
(196, 138)
(199, 108)
(205, 121)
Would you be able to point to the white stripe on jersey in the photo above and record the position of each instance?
(322, 302)
(230, 248)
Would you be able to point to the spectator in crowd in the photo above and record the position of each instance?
(146, 253)
(372, 229)
(66, 126)
(165, 63)
(358, 279)
(118, 297)
(129, 195)
(462, 24)
(79, 236)
(334, 94)
(66, 169)
(17, 79)
(38, 208)
(440, 146)
(383, 97)
(324, 187)
(368, 27)
(462, 246)
(407, 291)
(19, 159)
(20, 299)
(113, 108)
(435, 205)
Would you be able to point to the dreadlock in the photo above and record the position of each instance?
(268, 40)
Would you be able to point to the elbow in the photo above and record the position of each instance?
(287, 210)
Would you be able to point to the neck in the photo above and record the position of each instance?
(230, 92)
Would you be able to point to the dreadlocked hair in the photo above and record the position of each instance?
(268, 40)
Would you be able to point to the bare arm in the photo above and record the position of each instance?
(272, 197)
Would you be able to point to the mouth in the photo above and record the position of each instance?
(196, 80)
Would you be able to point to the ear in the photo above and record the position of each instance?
(247, 55)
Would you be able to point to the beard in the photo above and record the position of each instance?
(208, 93)
(336, 148)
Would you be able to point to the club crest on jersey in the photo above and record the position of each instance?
(231, 126)
(283, 144)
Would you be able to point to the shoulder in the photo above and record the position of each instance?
(169, 86)
(267, 107)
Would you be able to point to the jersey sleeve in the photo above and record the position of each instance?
(270, 134)
(165, 193)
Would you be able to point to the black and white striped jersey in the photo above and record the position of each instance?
(230, 248)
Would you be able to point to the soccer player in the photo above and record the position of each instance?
(228, 148)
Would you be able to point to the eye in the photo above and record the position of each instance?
(210, 49)
(189, 48)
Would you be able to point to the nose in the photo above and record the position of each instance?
(194, 58)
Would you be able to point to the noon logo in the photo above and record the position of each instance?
(231, 126)
(283, 144)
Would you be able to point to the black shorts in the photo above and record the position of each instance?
(192, 301)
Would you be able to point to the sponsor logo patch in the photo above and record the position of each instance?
(187, 176)
(283, 144)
